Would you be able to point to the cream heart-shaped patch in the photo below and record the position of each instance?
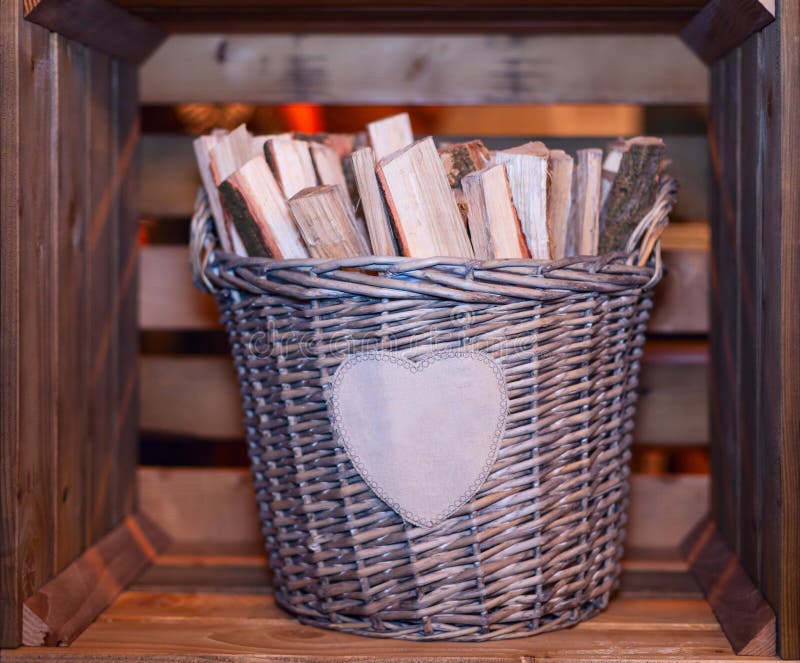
(422, 434)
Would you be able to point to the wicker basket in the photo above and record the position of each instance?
(538, 547)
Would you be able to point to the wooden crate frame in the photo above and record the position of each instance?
(69, 269)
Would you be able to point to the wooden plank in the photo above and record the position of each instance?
(177, 393)
(126, 430)
(770, 569)
(746, 618)
(780, 340)
(71, 169)
(198, 396)
(38, 355)
(724, 293)
(200, 580)
(751, 126)
(102, 263)
(163, 606)
(201, 505)
(218, 505)
(681, 299)
(227, 583)
(202, 608)
(218, 578)
(170, 180)
(789, 442)
(667, 389)
(657, 584)
(663, 509)
(359, 16)
(181, 627)
(60, 610)
(169, 299)
(10, 562)
(755, 261)
(99, 24)
(418, 69)
(53, 219)
(722, 25)
(169, 176)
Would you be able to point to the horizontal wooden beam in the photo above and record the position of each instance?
(168, 300)
(663, 509)
(414, 69)
(745, 616)
(65, 606)
(214, 602)
(218, 506)
(197, 396)
(201, 505)
(421, 16)
(722, 25)
(98, 24)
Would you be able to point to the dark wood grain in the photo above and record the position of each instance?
(99, 24)
(474, 16)
(722, 25)
(10, 595)
(70, 167)
(780, 347)
(126, 429)
(213, 603)
(68, 463)
(38, 354)
(60, 610)
(746, 618)
(102, 257)
(751, 126)
(790, 336)
(769, 571)
(503, 69)
(198, 396)
(755, 309)
(724, 274)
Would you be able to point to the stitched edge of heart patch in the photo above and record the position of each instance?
(416, 366)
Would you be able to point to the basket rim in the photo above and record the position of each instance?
(400, 264)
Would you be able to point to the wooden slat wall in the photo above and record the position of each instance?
(216, 506)
(755, 143)
(191, 396)
(69, 342)
(170, 301)
(425, 69)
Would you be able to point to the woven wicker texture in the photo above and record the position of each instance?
(539, 546)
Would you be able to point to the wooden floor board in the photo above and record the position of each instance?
(214, 603)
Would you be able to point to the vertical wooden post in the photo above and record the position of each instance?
(68, 267)
(755, 144)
